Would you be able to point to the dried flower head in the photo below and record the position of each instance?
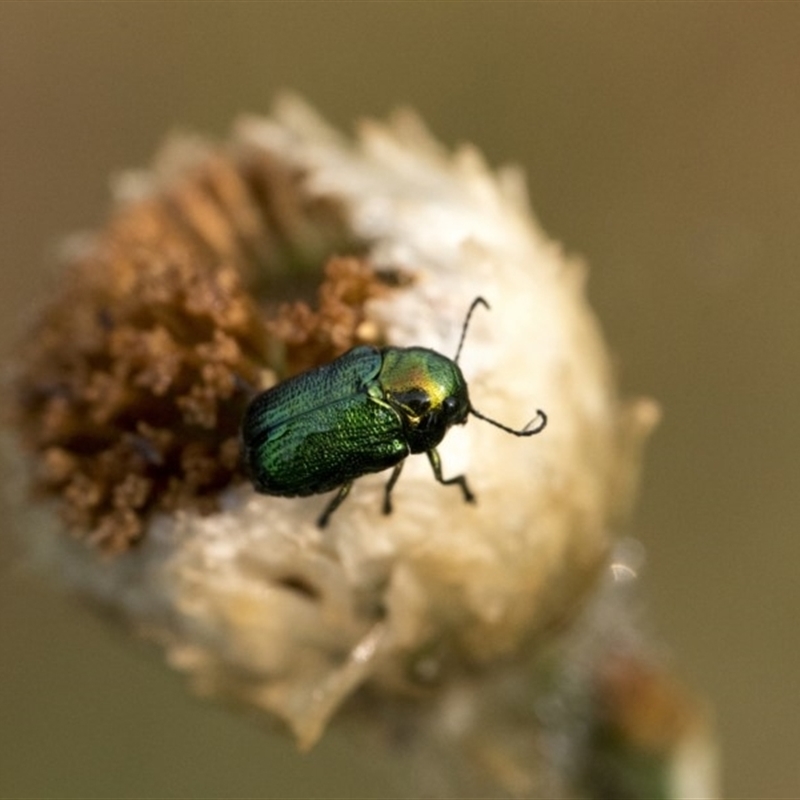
(131, 391)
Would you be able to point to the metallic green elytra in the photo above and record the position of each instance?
(364, 412)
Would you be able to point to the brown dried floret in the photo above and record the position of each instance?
(131, 389)
(316, 337)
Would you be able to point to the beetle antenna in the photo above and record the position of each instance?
(529, 430)
(478, 301)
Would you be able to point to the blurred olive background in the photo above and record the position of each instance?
(662, 142)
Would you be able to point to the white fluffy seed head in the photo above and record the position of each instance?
(258, 603)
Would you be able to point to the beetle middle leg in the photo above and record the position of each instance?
(387, 492)
(461, 480)
(337, 500)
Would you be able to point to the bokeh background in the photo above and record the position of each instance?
(662, 142)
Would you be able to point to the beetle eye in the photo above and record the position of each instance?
(450, 404)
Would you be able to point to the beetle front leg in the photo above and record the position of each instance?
(338, 499)
(461, 480)
(387, 500)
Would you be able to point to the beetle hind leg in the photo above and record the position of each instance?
(387, 492)
(337, 500)
(461, 480)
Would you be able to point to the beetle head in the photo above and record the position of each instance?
(427, 390)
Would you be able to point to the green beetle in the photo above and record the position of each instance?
(364, 412)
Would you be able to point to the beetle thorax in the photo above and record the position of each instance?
(428, 392)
